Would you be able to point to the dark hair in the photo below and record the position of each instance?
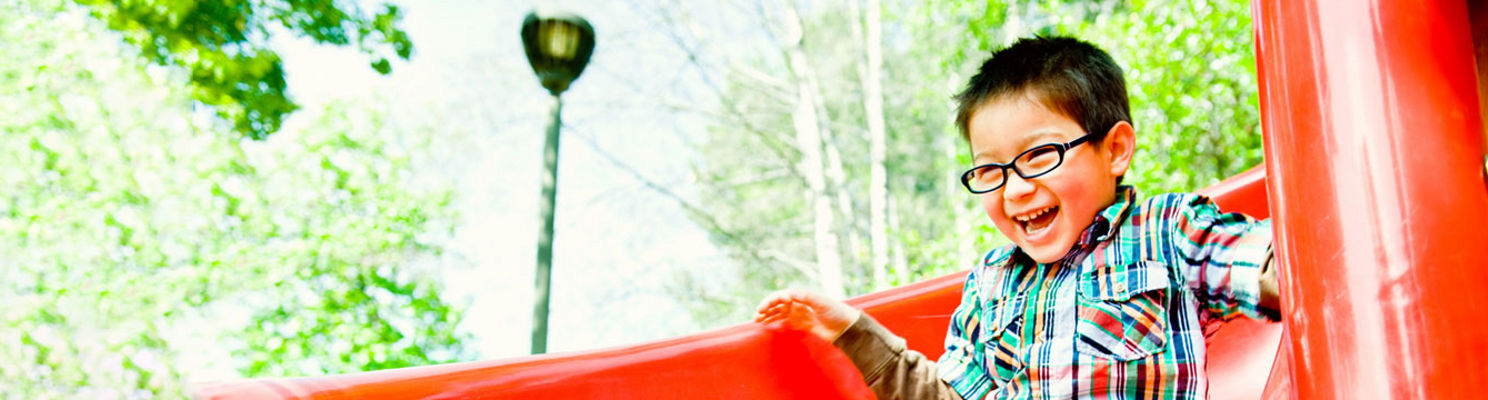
(1067, 75)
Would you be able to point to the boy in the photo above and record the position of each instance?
(1100, 295)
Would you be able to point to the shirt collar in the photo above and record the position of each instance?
(1107, 220)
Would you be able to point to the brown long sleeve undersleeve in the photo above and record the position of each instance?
(891, 369)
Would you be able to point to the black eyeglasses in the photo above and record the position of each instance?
(1033, 163)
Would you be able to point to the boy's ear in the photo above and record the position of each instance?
(1119, 145)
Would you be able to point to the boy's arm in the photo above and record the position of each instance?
(893, 371)
(1228, 260)
(889, 368)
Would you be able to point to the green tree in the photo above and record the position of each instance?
(349, 294)
(137, 235)
(755, 194)
(1189, 67)
(223, 46)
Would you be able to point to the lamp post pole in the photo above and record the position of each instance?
(558, 47)
(545, 233)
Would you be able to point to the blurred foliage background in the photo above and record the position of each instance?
(153, 206)
(1190, 74)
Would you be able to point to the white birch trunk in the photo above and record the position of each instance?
(901, 260)
(809, 140)
(878, 189)
(836, 176)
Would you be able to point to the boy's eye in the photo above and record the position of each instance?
(989, 174)
(1039, 153)
(986, 177)
(1039, 160)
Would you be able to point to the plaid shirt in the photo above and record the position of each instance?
(1123, 315)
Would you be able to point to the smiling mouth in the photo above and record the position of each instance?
(1037, 222)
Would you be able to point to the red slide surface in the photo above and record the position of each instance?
(744, 361)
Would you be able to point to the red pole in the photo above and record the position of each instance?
(1374, 149)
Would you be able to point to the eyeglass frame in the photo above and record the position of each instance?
(1059, 148)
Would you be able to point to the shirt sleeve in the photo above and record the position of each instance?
(961, 365)
(890, 369)
(1223, 254)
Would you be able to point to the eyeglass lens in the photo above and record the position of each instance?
(1032, 163)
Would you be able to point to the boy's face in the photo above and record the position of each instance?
(1045, 215)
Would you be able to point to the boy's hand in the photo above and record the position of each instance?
(1270, 289)
(819, 315)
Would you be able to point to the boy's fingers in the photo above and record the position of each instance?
(794, 315)
(765, 302)
(773, 309)
(773, 318)
(816, 301)
(774, 298)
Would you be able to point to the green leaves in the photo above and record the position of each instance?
(223, 46)
(382, 66)
(1190, 74)
(357, 303)
(751, 184)
(140, 244)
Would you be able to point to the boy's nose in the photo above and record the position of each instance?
(1016, 187)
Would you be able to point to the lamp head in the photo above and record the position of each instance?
(558, 46)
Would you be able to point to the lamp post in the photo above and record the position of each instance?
(558, 47)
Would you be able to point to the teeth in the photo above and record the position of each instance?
(1032, 215)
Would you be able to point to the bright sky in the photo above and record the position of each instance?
(616, 241)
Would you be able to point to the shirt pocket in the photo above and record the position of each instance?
(1122, 311)
(1002, 338)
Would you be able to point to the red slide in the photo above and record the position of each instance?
(1375, 147)
(744, 361)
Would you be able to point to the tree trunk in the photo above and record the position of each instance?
(836, 176)
(901, 260)
(809, 140)
(878, 188)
